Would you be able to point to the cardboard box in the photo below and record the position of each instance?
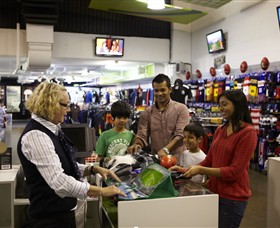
(6, 159)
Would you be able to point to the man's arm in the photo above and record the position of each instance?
(182, 120)
(172, 145)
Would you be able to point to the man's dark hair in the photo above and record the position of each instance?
(195, 128)
(120, 109)
(160, 78)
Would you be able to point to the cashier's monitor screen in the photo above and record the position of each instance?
(80, 135)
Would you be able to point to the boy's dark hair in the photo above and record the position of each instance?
(120, 109)
(195, 128)
(162, 78)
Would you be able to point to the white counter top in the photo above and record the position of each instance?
(9, 175)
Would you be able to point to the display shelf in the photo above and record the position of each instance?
(273, 206)
(7, 195)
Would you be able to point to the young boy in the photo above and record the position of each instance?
(193, 134)
(115, 141)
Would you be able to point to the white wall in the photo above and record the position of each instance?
(69, 45)
(251, 35)
(81, 46)
(181, 47)
(8, 42)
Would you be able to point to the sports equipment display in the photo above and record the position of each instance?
(243, 67)
(213, 71)
(227, 69)
(188, 75)
(264, 63)
(198, 74)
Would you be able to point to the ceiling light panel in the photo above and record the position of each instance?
(139, 8)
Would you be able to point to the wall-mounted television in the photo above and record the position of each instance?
(109, 47)
(82, 136)
(278, 15)
(216, 41)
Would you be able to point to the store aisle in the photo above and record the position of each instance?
(256, 213)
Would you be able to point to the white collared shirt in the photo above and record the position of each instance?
(39, 149)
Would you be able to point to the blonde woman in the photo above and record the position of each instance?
(52, 174)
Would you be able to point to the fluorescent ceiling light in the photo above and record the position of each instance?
(156, 4)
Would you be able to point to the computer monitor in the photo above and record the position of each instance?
(82, 136)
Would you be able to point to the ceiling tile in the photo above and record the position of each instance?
(139, 8)
(208, 3)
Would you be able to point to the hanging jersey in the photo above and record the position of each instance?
(215, 91)
(201, 90)
(194, 87)
(209, 91)
(261, 88)
(255, 115)
(245, 87)
(221, 86)
(253, 89)
(227, 86)
(179, 93)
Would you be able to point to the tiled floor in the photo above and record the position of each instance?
(255, 215)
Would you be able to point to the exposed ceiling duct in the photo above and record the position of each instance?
(39, 40)
(40, 11)
(40, 16)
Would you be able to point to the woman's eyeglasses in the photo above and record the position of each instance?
(65, 105)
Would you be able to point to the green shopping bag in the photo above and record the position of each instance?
(153, 182)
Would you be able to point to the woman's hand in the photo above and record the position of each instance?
(106, 191)
(105, 173)
(111, 191)
(192, 171)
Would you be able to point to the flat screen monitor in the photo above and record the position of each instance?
(109, 47)
(278, 15)
(81, 136)
(216, 41)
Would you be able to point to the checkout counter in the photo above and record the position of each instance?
(195, 206)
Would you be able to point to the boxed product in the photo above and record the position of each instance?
(6, 159)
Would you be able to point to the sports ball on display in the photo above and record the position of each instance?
(227, 69)
(188, 75)
(198, 74)
(213, 71)
(168, 160)
(264, 63)
(243, 67)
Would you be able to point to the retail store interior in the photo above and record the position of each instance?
(64, 44)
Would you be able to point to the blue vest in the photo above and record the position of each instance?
(44, 202)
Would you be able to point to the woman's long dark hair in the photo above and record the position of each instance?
(241, 109)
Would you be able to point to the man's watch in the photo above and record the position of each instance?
(166, 150)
